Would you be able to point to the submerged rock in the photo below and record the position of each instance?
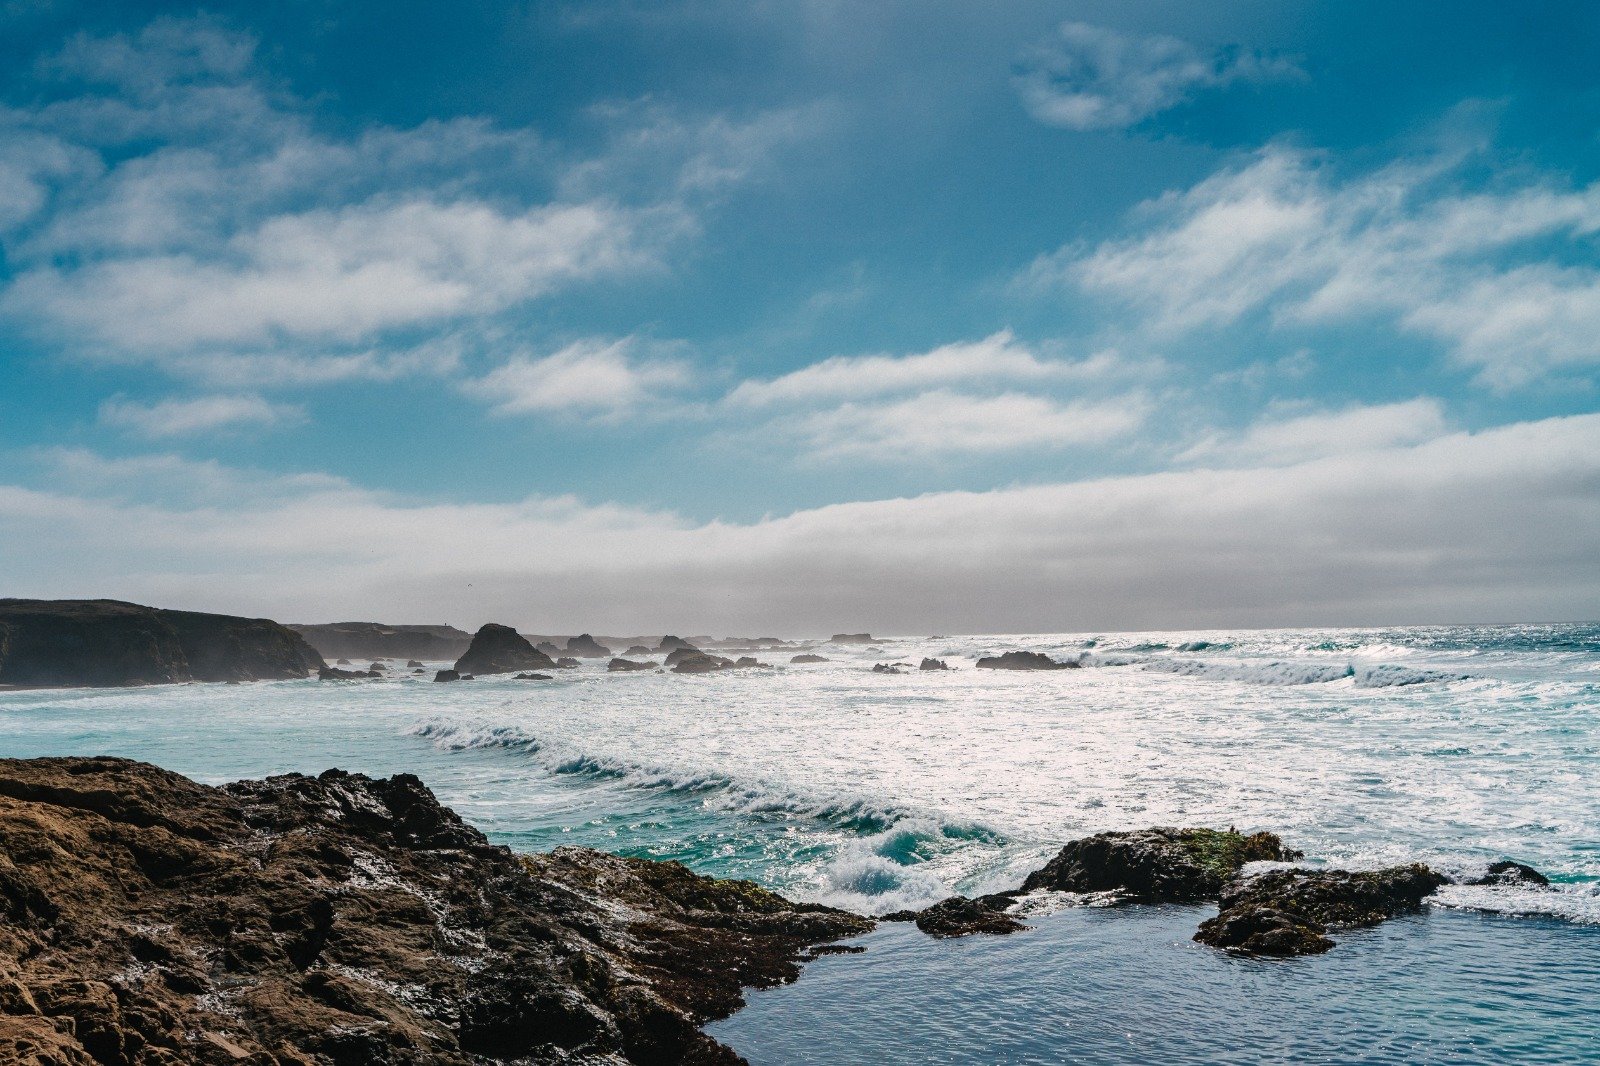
(1285, 912)
(348, 920)
(809, 658)
(934, 664)
(960, 916)
(1024, 660)
(566, 662)
(333, 673)
(886, 668)
(585, 646)
(1159, 865)
(498, 649)
(1507, 872)
(46, 643)
(628, 664)
(533, 677)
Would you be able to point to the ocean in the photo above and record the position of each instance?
(1455, 746)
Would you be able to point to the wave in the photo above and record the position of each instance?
(1278, 671)
(1388, 675)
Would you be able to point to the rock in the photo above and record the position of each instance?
(1507, 872)
(677, 655)
(585, 646)
(376, 667)
(671, 643)
(419, 670)
(1285, 912)
(498, 649)
(447, 675)
(348, 920)
(548, 648)
(809, 658)
(960, 916)
(333, 673)
(886, 668)
(1024, 660)
(375, 640)
(852, 638)
(628, 664)
(745, 662)
(934, 664)
(533, 677)
(49, 643)
(1159, 865)
(699, 663)
(566, 662)
(343, 662)
(638, 649)
(413, 663)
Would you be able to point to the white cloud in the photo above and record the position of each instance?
(1498, 525)
(589, 377)
(1280, 234)
(1280, 441)
(998, 358)
(200, 414)
(1092, 77)
(942, 423)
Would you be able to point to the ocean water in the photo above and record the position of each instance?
(1456, 746)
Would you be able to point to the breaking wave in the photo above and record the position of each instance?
(1278, 671)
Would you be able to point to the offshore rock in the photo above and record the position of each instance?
(585, 646)
(638, 649)
(1303, 904)
(960, 916)
(1158, 865)
(152, 921)
(447, 675)
(628, 664)
(672, 643)
(47, 643)
(1507, 872)
(886, 668)
(852, 638)
(566, 662)
(697, 662)
(933, 664)
(809, 658)
(333, 673)
(498, 649)
(533, 677)
(1024, 660)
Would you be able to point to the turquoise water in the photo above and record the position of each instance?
(1456, 746)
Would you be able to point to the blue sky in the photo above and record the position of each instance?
(621, 309)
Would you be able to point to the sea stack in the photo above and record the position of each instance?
(585, 646)
(498, 649)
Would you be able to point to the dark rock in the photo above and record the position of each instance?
(566, 662)
(412, 663)
(677, 655)
(447, 675)
(1289, 910)
(628, 664)
(377, 667)
(343, 662)
(585, 646)
(333, 673)
(809, 658)
(960, 916)
(534, 677)
(548, 648)
(346, 920)
(699, 663)
(1159, 865)
(46, 643)
(374, 640)
(638, 649)
(934, 664)
(1507, 872)
(419, 670)
(745, 662)
(672, 643)
(852, 638)
(498, 649)
(1024, 660)
(886, 668)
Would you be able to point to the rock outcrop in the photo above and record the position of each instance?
(447, 675)
(933, 664)
(1286, 912)
(345, 920)
(334, 673)
(51, 643)
(688, 661)
(584, 646)
(809, 658)
(1159, 865)
(1507, 872)
(638, 649)
(671, 643)
(567, 662)
(498, 649)
(624, 665)
(852, 638)
(371, 640)
(1024, 660)
(959, 916)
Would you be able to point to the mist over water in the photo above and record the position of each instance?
(1456, 746)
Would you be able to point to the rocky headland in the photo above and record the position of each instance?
(59, 643)
(370, 640)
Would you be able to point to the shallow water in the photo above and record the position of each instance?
(1456, 746)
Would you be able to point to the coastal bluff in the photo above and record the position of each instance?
(101, 643)
(343, 919)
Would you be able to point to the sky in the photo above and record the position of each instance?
(803, 316)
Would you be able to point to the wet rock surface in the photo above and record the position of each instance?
(1023, 660)
(1507, 872)
(960, 916)
(1284, 912)
(498, 649)
(933, 664)
(1157, 865)
(347, 920)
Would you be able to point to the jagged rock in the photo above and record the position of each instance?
(809, 658)
(533, 677)
(852, 638)
(934, 664)
(1507, 872)
(373, 640)
(699, 663)
(333, 673)
(638, 649)
(960, 916)
(585, 646)
(628, 664)
(346, 920)
(410, 663)
(672, 643)
(1159, 865)
(47, 643)
(566, 662)
(548, 648)
(886, 668)
(498, 649)
(447, 675)
(1285, 912)
(1024, 660)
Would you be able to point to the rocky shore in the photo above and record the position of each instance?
(346, 920)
